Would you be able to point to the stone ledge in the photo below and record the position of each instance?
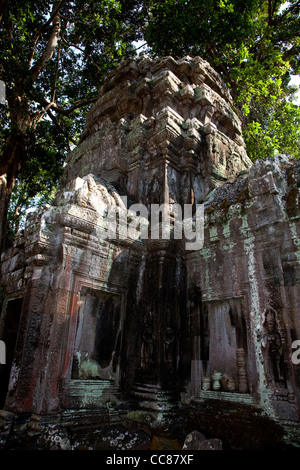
(225, 396)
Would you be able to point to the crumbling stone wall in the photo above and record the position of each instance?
(247, 275)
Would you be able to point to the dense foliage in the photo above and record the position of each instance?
(255, 46)
(53, 58)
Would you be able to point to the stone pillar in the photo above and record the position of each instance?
(242, 373)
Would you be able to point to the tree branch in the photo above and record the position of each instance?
(65, 112)
(57, 64)
(51, 45)
(81, 104)
(40, 114)
(42, 29)
(59, 127)
(83, 51)
(221, 66)
(269, 12)
(289, 53)
(278, 19)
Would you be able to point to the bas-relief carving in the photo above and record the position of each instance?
(169, 337)
(273, 348)
(148, 338)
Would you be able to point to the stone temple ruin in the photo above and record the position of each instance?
(145, 324)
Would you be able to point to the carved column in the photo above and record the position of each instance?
(241, 370)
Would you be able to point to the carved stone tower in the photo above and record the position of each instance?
(161, 132)
(112, 311)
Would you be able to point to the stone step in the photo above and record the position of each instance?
(87, 393)
(154, 396)
(245, 398)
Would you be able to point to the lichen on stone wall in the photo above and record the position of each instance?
(256, 324)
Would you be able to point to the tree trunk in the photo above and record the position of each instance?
(10, 163)
(22, 119)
